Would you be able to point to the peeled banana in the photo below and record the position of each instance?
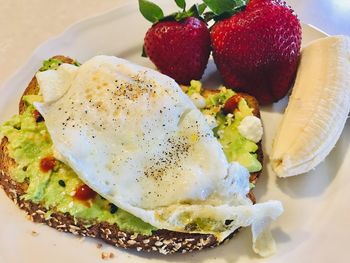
(317, 109)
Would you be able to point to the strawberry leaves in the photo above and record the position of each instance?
(195, 11)
(154, 13)
(223, 8)
(181, 4)
(201, 8)
(219, 9)
(150, 11)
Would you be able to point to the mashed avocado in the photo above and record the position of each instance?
(54, 63)
(236, 147)
(29, 143)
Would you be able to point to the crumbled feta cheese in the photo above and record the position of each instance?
(220, 133)
(251, 128)
(198, 100)
(211, 121)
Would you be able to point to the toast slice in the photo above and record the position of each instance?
(162, 241)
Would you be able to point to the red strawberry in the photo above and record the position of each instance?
(256, 50)
(179, 45)
(179, 49)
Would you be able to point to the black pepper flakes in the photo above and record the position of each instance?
(39, 119)
(228, 222)
(62, 183)
(113, 208)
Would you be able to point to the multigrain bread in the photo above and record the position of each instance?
(162, 241)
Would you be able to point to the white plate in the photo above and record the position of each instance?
(314, 227)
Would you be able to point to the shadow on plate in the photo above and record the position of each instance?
(280, 236)
(211, 78)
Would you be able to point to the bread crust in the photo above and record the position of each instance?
(162, 241)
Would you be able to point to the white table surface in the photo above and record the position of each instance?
(25, 24)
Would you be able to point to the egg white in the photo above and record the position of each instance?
(134, 137)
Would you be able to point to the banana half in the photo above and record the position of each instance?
(317, 109)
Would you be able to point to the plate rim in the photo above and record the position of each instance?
(79, 25)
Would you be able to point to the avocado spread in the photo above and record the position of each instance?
(30, 143)
(236, 147)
